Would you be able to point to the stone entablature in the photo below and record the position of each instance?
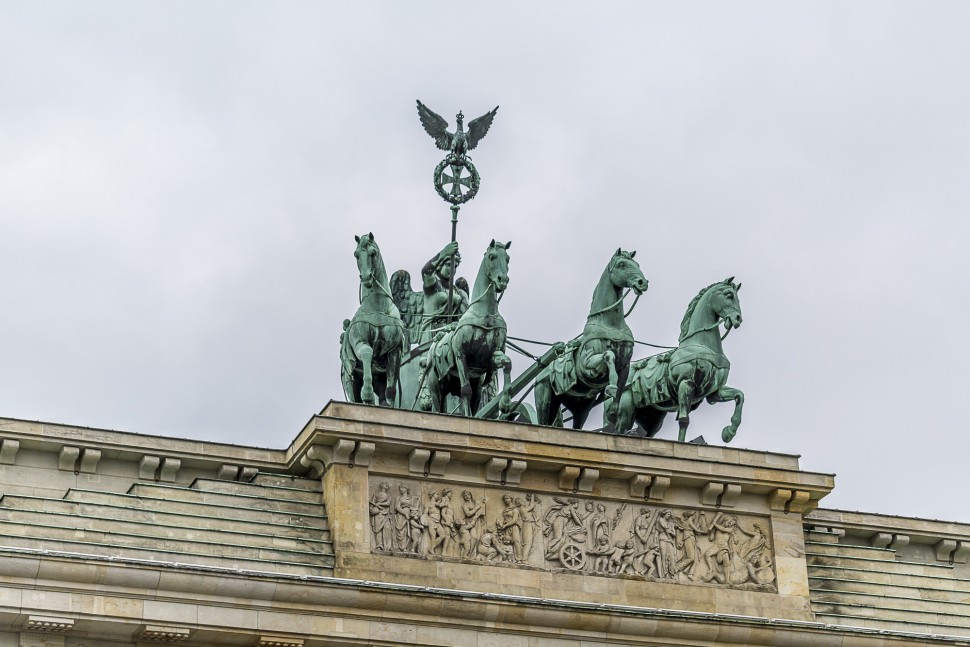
(743, 511)
(70, 456)
(918, 539)
(377, 596)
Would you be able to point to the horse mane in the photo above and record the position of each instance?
(685, 322)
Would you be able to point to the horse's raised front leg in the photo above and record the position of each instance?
(366, 355)
(685, 393)
(501, 361)
(725, 394)
(609, 359)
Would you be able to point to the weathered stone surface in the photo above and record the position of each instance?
(116, 552)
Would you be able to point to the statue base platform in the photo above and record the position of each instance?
(513, 509)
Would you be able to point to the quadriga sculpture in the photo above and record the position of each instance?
(680, 379)
(463, 360)
(595, 365)
(373, 342)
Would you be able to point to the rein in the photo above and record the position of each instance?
(360, 291)
(491, 286)
(616, 303)
(713, 326)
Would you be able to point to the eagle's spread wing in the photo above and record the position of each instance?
(436, 126)
(478, 128)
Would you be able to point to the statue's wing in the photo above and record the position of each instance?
(409, 303)
(478, 128)
(436, 126)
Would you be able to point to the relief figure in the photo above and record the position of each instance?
(449, 530)
(666, 556)
(689, 526)
(724, 561)
(530, 523)
(471, 525)
(380, 518)
(403, 508)
(492, 548)
(509, 526)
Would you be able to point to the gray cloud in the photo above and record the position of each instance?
(180, 184)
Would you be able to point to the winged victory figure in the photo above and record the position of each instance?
(460, 141)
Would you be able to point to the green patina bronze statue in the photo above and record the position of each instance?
(441, 348)
(463, 359)
(431, 309)
(680, 379)
(459, 142)
(595, 365)
(373, 342)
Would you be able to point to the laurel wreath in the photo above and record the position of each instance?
(472, 189)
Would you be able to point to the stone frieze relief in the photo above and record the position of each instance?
(552, 532)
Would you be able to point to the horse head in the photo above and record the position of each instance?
(368, 256)
(725, 303)
(625, 272)
(718, 302)
(496, 265)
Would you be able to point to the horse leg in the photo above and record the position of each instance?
(623, 412)
(461, 365)
(725, 394)
(651, 420)
(685, 393)
(595, 363)
(501, 361)
(581, 413)
(347, 380)
(435, 396)
(543, 398)
(366, 355)
(393, 375)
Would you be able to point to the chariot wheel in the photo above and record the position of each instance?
(524, 412)
(460, 175)
(572, 557)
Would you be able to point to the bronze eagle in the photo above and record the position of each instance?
(460, 141)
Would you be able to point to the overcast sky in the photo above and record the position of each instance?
(180, 184)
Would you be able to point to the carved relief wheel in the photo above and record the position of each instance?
(572, 557)
(460, 177)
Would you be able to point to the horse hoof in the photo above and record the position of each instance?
(728, 434)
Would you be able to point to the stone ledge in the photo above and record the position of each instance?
(463, 614)
(19, 435)
(948, 541)
(495, 446)
(911, 526)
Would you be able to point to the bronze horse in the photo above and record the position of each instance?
(596, 364)
(373, 342)
(680, 379)
(463, 359)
